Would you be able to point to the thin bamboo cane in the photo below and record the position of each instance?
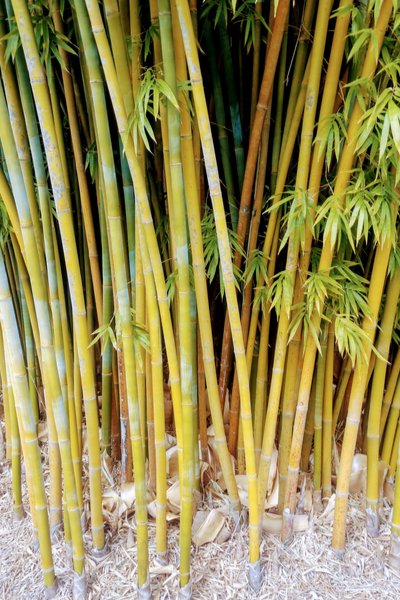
(319, 407)
(78, 396)
(341, 390)
(158, 398)
(18, 508)
(5, 385)
(327, 415)
(277, 139)
(233, 105)
(151, 448)
(256, 62)
(394, 555)
(106, 363)
(299, 65)
(30, 357)
(140, 317)
(309, 429)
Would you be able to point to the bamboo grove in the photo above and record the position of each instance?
(200, 198)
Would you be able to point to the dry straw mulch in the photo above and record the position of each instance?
(307, 569)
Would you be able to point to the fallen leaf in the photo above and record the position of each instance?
(273, 523)
(206, 526)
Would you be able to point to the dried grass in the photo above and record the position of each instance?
(308, 569)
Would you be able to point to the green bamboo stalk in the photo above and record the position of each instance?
(299, 65)
(30, 356)
(233, 102)
(221, 124)
(106, 363)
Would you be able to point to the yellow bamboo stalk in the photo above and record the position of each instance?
(80, 168)
(394, 554)
(318, 161)
(324, 9)
(377, 282)
(18, 508)
(141, 197)
(17, 367)
(193, 208)
(342, 180)
(5, 389)
(40, 92)
(228, 279)
(158, 397)
(388, 397)
(21, 139)
(378, 384)
(391, 426)
(395, 452)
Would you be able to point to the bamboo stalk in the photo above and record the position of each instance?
(18, 368)
(325, 263)
(39, 86)
(378, 384)
(327, 415)
(356, 398)
(271, 61)
(388, 397)
(303, 166)
(224, 248)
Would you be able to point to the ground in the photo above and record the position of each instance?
(307, 569)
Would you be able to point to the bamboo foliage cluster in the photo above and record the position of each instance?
(162, 228)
